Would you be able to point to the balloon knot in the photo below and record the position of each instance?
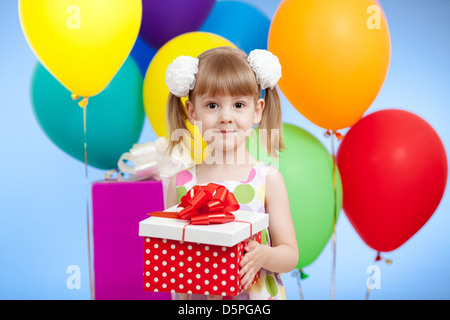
(299, 274)
(380, 258)
(303, 275)
(83, 103)
(330, 133)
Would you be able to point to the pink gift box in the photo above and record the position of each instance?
(197, 259)
(117, 209)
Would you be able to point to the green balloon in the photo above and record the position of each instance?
(114, 118)
(307, 169)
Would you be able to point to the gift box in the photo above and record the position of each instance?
(118, 206)
(197, 259)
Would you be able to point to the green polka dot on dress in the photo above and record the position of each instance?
(271, 285)
(244, 193)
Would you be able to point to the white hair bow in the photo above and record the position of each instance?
(266, 67)
(180, 75)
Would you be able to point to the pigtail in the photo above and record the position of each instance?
(267, 69)
(271, 121)
(176, 118)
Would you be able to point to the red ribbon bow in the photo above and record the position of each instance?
(210, 204)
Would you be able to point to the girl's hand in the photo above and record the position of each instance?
(253, 260)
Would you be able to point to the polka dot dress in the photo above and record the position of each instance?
(251, 196)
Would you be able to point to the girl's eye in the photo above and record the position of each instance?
(212, 105)
(239, 105)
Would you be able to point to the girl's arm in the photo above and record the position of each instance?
(283, 255)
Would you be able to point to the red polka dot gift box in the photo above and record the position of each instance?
(197, 258)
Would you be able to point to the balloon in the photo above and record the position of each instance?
(142, 54)
(307, 169)
(335, 56)
(155, 88)
(250, 33)
(164, 20)
(114, 118)
(82, 43)
(394, 171)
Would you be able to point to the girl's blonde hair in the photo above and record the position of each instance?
(225, 71)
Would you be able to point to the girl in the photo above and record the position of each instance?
(224, 87)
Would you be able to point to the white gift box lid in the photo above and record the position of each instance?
(226, 234)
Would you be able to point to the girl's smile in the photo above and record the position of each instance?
(228, 131)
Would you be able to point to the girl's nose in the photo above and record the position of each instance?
(225, 116)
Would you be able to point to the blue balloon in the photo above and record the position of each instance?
(241, 23)
(142, 54)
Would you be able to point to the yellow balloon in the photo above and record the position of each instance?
(155, 89)
(82, 43)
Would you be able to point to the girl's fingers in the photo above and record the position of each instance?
(247, 265)
(247, 273)
(244, 268)
(247, 280)
(250, 246)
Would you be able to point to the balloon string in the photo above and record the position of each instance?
(299, 275)
(83, 104)
(339, 136)
(333, 272)
(369, 287)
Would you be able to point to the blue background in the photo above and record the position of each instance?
(43, 190)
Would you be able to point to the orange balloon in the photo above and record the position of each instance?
(335, 56)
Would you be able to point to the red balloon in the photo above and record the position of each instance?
(393, 168)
